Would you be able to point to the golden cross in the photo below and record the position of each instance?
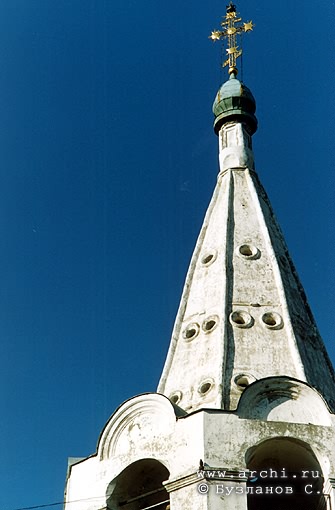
(231, 28)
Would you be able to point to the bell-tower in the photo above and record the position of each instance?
(243, 417)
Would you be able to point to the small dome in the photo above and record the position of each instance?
(234, 102)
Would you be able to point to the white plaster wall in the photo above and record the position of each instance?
(220, 439)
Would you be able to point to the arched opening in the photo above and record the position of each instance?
(284, 473)
(139, 487)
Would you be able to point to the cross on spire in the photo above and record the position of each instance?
(231, 28)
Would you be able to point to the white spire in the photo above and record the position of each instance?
(243, 314)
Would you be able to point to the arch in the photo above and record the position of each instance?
(132, 428)
(284, 473)
(139, 486)
(283, 399)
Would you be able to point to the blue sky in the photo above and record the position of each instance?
(107, 163)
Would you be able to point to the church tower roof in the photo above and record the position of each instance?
(243, 314)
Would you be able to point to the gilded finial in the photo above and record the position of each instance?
(231, 28)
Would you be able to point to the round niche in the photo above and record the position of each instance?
(210, 324)
(242, 381)
(272, 320)
(208, 258)
(205, 387)
(176, 397)
(248, 251)
(191, 331)
(241, 319)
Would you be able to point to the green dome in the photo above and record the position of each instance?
(234, 102)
